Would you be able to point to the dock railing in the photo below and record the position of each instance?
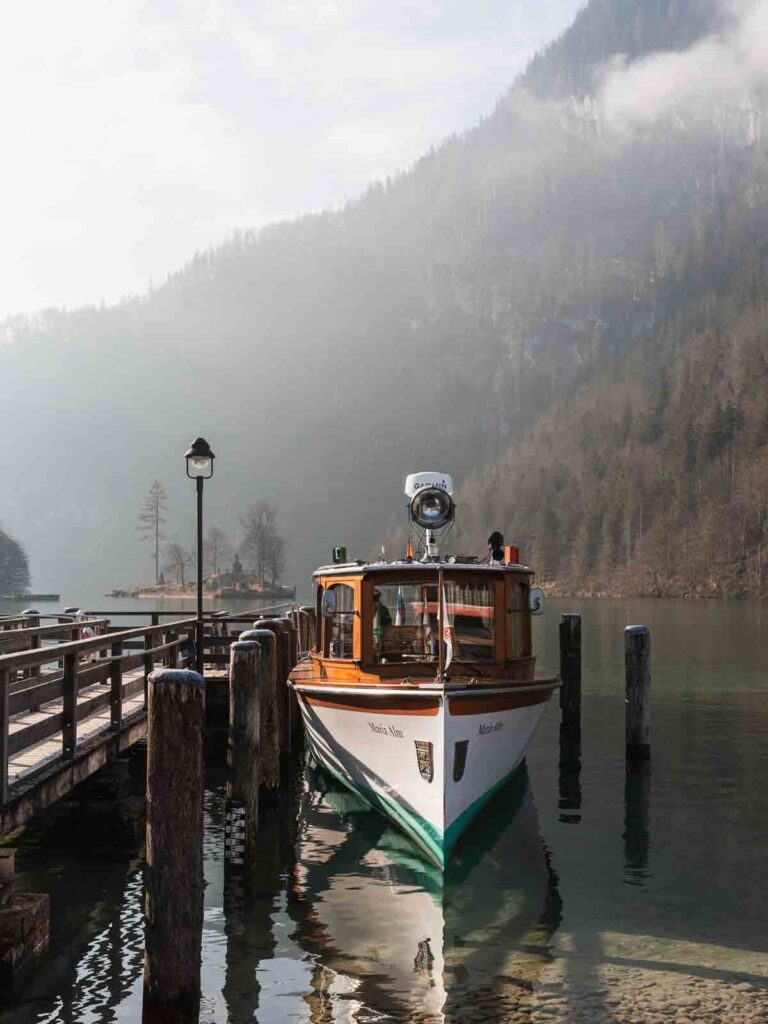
(67, 702)
(70, 695)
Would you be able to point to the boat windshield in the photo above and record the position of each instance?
(406, 626)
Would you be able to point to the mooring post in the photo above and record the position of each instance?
(173, 883)
(269, 737)
(569, 766)
(282, 661)
(309, 617)
(637, 663)
(301, 625)
(242, 753)
(570, 668)
(294, 715)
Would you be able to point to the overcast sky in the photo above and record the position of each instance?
(137, 133)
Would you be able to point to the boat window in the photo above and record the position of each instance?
(406, 627)
(405, 622)
(338, 611)
(469, 612)
(518, 620)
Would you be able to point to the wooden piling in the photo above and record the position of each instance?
(309, 612)
(174, 868)
(269, 737)
(293, 648)
(301, 625)
(294, 714)
(243, 753)
(637, 662)
(569, 766)
(283, 644)
(570, 668)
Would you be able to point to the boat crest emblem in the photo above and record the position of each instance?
(424, 757)
(459, 759)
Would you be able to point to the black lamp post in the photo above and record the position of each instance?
(199, 467)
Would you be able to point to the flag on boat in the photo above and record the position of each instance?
(426, 625)
(447, 632)
(400, 608)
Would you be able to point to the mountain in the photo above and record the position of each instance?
(561, 306)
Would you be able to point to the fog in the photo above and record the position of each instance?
(724, 67)
(142, 133)
(430, 323)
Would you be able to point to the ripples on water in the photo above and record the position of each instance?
(583, 894)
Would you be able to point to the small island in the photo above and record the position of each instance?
(235, 583)
(261, 545)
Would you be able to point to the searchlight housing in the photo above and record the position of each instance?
(431, 506)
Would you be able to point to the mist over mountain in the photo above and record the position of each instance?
(565, 307)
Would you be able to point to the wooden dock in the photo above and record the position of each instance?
(69, 704)
(69, 707)
(75, 693)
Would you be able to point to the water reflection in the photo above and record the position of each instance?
(637, 792)
(391, 935)
(248, 906)
(569, 771)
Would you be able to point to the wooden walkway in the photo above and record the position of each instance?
(69, 704)
(66, 709)
(37, 755)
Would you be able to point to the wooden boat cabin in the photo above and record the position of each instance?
(382, 621)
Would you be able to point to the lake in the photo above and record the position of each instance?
(580, 896)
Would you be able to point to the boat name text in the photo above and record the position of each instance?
(385, 730)
(493, 727)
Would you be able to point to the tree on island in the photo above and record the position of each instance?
(262, 544)
(14, 567)
(151, 519)
(276, 559)
(216, 549)
(177, 559)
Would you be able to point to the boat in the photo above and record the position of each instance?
(420, 693)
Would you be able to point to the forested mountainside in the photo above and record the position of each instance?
(605, 29)
(565, 309)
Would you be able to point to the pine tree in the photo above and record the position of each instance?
(151, 519)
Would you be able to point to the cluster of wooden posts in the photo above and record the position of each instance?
(637, 686)
(263, 728)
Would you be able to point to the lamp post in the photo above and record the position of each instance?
(199, 467)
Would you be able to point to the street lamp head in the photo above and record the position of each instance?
(199, 459)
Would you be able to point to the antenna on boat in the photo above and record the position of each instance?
(431, 508)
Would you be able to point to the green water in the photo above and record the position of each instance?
(582, 895)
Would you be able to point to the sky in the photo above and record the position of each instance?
(137, 133)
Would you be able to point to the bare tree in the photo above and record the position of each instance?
(216, 549)
(276, 558)
(151, 519)
(177, 559)
(261, 537)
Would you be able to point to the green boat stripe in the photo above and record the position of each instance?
(418, 828)
(456, 827)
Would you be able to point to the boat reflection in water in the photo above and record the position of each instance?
(399, 938)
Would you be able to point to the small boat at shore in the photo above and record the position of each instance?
(421, 693)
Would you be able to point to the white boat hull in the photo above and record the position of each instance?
(429, 761)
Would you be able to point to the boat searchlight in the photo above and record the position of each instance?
(431, 505)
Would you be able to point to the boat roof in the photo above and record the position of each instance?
(349, 568)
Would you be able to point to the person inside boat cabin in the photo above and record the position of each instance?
(380, 609)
